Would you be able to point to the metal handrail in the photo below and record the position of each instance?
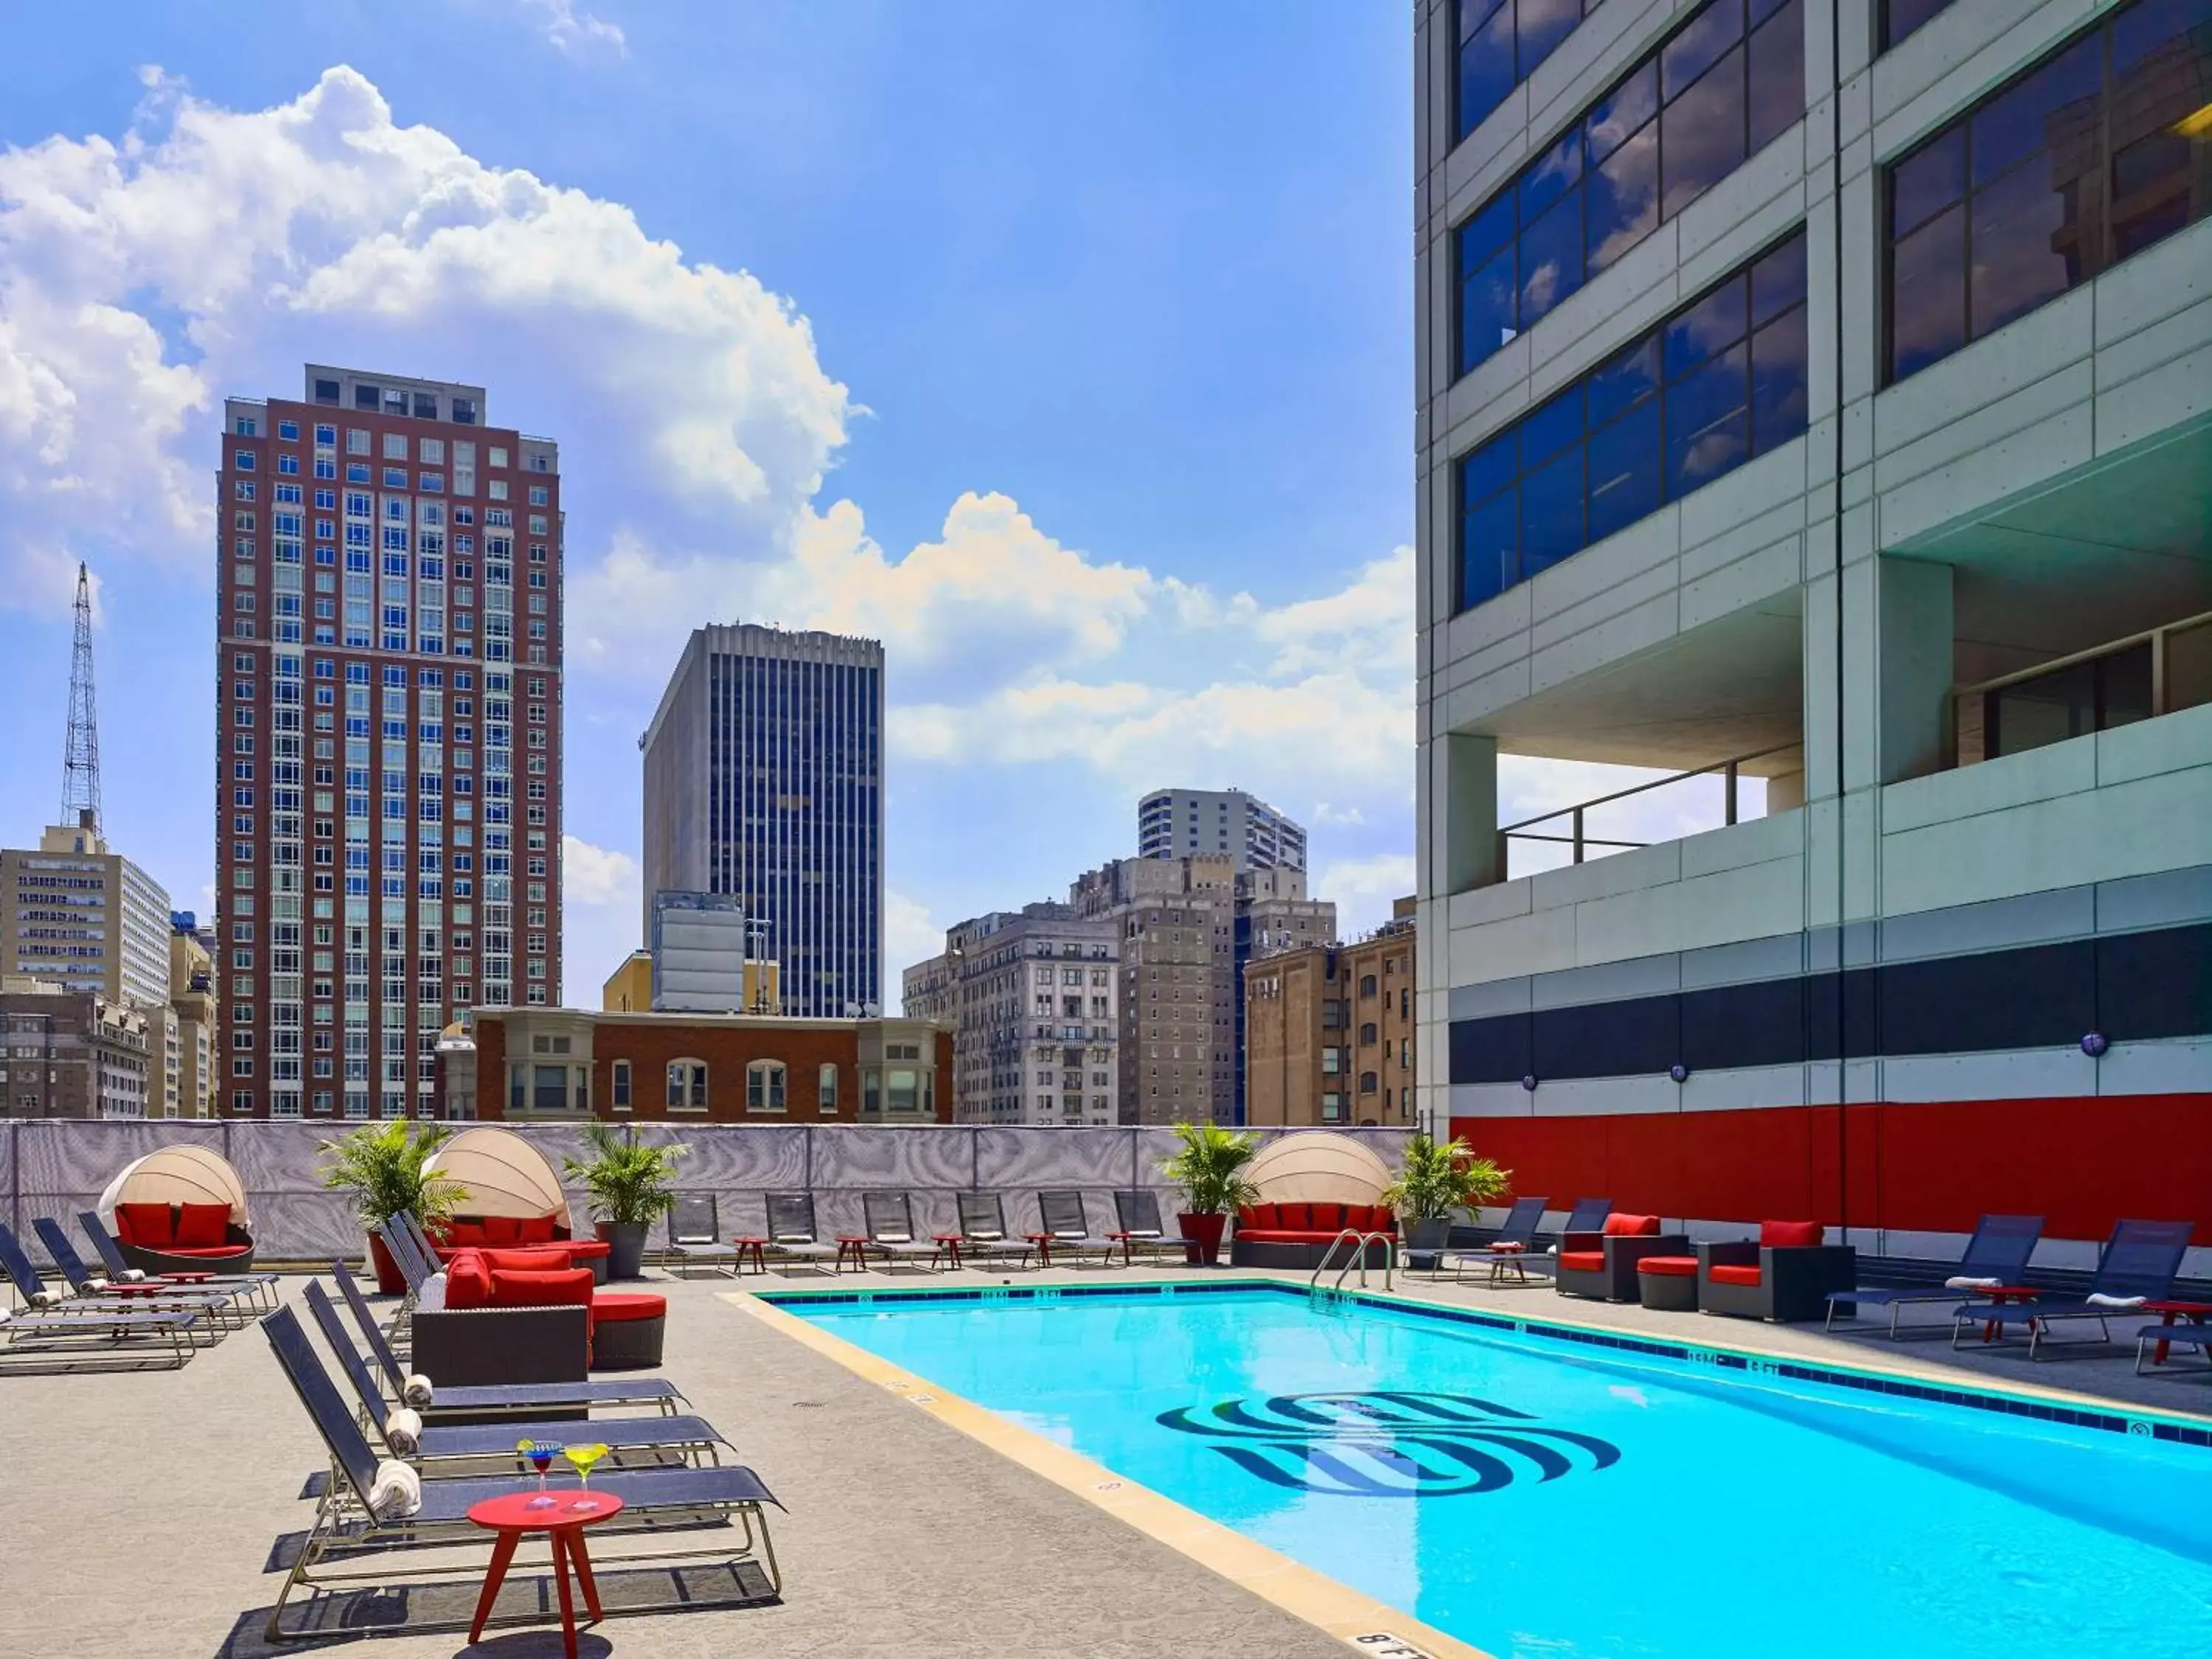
(1360, 1242)
(1729, 769)
(1961, 698)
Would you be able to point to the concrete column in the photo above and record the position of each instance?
(1913, 661)
(1462, 814)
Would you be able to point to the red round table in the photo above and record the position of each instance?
(563, 1525)
(188, 1279)
(853, 1247)
(2002, 1294)
(753, 1248)
(948, 1248)
(2194, 1312)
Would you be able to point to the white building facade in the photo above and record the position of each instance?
(1823, 386)
(1218, 823)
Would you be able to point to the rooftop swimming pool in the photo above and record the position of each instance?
(1542, 1496)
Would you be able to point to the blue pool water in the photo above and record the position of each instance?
(1545, 1499)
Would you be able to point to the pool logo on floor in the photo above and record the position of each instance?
(1389, 1443)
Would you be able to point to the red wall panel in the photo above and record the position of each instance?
(2080, 1162)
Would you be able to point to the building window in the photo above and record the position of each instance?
(826, 1091)
(1367, 1035)
(1666, 133)
(1332, 1061)
(1368, 1083)
(620, 1086)
(2095, 153)
(1332, 1108)
(1719, 381)
(764, 1086)
(1367, 985)
(1500, 43)
(686, 1085)
(1902, 17)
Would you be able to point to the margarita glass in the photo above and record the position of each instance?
(584, 1457)
(540, 1453)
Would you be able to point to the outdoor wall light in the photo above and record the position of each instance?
(1528, 1083)
(2094, 1045)
(1679, 1071)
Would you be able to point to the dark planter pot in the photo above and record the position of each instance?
(626, 1248)
(1207, 1229)
(1428, 1236)
(390, 1281)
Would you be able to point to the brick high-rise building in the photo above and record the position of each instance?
(388, 826)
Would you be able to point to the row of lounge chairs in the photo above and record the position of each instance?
(118, 1319)
(793, 1235)
(681, 1499)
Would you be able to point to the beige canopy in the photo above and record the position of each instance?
(183, 1174)
(504, 1174)
(1317, 1167)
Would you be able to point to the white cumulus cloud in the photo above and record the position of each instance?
(572, 31)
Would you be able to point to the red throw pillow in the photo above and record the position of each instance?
(464, 1234)
(1789, 1235)
(1326, 1218)
(1618, 1225)
(535, 1230)
(558, 1287)
(1261, 1216)
(502, 1231)
(149, 1227)
(199, 1226)
(468, 1279)
(528, 1261)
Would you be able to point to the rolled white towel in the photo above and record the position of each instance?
(95, 1286)
(45, 1298)
(2099, 1300)
(431, 1298)
(132, 1276)
(402, 1430)
(415, 1390)
(396, 1491)
(5, 1315)
(1964, 1284)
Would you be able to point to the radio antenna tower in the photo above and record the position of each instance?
(81, 762)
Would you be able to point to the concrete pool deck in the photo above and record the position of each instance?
(140, 1512)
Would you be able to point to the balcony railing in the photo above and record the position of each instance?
(2137, 678)
(1576, 816)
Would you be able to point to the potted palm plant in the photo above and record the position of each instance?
(1433, 1181)
(631, 1188)
(1210, 1171)
(381, 1165)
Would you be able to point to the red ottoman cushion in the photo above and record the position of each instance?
(1789, 1235)
(552, 1288)
(528, 1261)
(1583, 1261)
(582, 1250)
(1669, 1267)
(468, 1280)
(619, 1307)
(1722, 1274)
(149, 1226)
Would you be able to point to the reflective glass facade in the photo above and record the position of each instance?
(1721, 380)
(1500, 43)
(2102, 149)
(1901, 17)
(1718, 88)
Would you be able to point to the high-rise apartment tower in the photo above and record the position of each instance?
(763, 778)
(1225, 823)
(388, 789)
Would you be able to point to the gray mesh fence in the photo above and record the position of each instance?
(56, 1169)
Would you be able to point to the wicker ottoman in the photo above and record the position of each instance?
(626, 1327)
(591, 1253)
(1669, 1283)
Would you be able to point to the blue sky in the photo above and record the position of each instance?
(1067, 348)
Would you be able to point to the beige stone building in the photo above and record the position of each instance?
(1329, 1030)
(1176, 920)
(68, 1052)
(77, 915)
(193, 1041)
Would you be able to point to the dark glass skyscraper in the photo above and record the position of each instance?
(763, 778)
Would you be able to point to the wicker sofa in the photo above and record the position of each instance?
(1298, 1235)
(1603, 1265)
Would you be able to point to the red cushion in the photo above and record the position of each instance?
(1669, 1267)
(1260, 1215)
(1618, 1225)
(1281, 1235)
(583, 1249)
(1789, 1235)
(149, 1226)
(209, 1252)
(199, 1226)
(1583, 1261)
(618, 1307)
(557, 1288)
(529, 1261)
(503, 1230)
(459, 1234)
(535, 1230)
(1722, 1273)
(468, 1280)
(1336, 1218)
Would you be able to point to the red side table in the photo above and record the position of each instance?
(2194, 1312)
(188, 1279)
(752, 1249)
(948, 1249)
(1044, 1242)
(2003, 1294)
(563, 1525)
(853, 1247)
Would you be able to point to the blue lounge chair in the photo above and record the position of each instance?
(1588, 1216)
(120, 1270)
(660, 1503)
(145, 1298)
(60, 1334)
(668, 1441)
(2140, 1260)
(512, 1398)
(2199, 1337)
(1998, 1250)
(1514, 1242)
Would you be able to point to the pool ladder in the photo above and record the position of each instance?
(1360, 1242)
